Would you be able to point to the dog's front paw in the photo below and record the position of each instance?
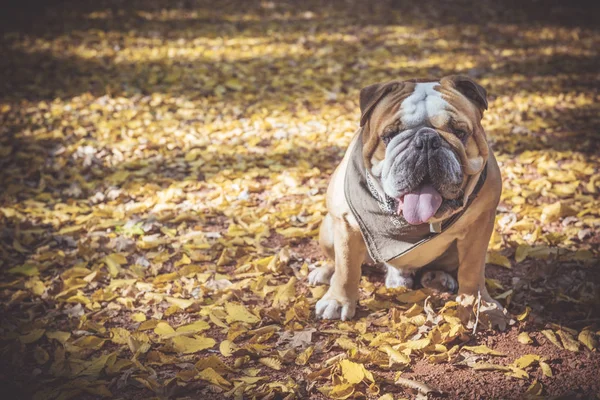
(331, 308)
(440, 281)
(491, 313)
(396, 278)
(320, 275)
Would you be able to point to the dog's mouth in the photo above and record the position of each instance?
(419, 205)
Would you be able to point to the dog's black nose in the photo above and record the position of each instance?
(427, 139)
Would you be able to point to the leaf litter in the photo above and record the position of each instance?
(160, 207)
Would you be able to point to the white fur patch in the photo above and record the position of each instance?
(377, 167)
(424, 103)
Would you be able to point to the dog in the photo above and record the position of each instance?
(417, 190)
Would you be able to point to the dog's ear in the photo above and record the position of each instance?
(371, 95)
(470, 89)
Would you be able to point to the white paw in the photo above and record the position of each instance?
(439, 280)
(334, 309)
(320, 276)
(395, 278)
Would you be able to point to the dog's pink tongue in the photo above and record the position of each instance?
(421, 205)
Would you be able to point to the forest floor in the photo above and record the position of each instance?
(163, 169)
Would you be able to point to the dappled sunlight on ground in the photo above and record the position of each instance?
(163, 170)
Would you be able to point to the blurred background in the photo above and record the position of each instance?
(130, 126)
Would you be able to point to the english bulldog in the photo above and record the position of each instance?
(417, 190)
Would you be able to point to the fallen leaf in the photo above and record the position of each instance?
(186, 345)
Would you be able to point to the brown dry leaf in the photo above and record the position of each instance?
(483, 366)
(482, 349)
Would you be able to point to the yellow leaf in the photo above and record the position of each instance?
(239, 313)
(555, 211)
(113, 263)
(181, 303)
(524, 338)
(552, 337)
(345, 343)
(270, 362)
(386, 397)
(36, 286)
(197, 326)
(415, 344)
(147, 325)
(227, 348)
(341, 391)
(522, 252)
(210, 375)
(164, 278)
(412, 296)
(546, 370)
(215, 320)
(186, 345)
(568, 341)
(535, 389)
(89, 342)
(285, 293)
(496, 258)
(138, 317)
(212, 362)
(60, 336)
(482, 349)
(119, 335)
(40, 355)
(32, 336)
(96, 365)
(524, 314)
(382, 338)
(587, 338)
(303, 357)
(517, 373)
(395, 356)
(163, 329)
(19, 247)
(526, 360)
(352, 372)
(25, 269)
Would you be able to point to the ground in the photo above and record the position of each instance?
(163, 169)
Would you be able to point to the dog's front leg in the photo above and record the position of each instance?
(472, 249)
(340, 300)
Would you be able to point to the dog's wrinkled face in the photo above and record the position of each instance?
(425, 143)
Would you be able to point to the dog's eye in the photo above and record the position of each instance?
(460, 133)
(387, 137)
